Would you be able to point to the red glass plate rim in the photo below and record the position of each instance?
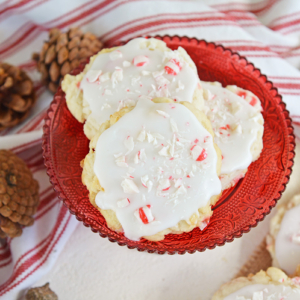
(60, 193)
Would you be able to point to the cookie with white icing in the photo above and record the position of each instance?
(238, 128)
(272, 284)
(283, 241)
(153, 169)
(119, 77)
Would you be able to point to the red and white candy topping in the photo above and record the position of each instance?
(140, 60)
(144, 214)
(173, 67)
(236, 125)
(140, 70)
(165, 167)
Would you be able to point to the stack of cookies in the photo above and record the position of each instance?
(163, 144)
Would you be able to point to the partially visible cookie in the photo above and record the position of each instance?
(153, 169)
(238, 128)
(270, 285)
(283, 241)
(118, 77)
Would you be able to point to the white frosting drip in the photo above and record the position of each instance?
(265, 292)
(287, 246)
(120, 78)
(164, 181)
(235, 123)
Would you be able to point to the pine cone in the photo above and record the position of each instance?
(19, 196)
(16, 95)
(41, 293)
(63, 53)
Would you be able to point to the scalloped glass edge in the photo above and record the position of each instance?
(56, 186)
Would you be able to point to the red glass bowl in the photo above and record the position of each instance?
(239, 209)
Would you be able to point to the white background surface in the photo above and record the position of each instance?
(91, 267)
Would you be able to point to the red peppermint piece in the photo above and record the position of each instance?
(253, 101)
(202, 156)
(242, 94)
(173, 67)
(140, 60)
(145, 215)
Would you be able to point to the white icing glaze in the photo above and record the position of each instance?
(120, 78)
(265, 292)
(287, 246)
(161, 171)
(235, 123)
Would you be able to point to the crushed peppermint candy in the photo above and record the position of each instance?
(123, 203)
(121, 161)
(93, 75)
(164, 185)
(140, 60)
(163, 113)
(144, 214)
(198, 153)
(129, 187)
(117, 54)
(173, 67)
(126, 63)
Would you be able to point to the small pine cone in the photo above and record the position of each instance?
(63, 52)
(17, 95)
(19, 195)
(41, 293)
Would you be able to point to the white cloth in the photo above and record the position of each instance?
(265, 31)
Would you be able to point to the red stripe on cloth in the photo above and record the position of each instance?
(292, 86)
(5, 254)
(22, 42)
(39, 162)
(45, 200)
(19, 33)
(25, 38)
(30, 251)
(296, 28)
(78, 9)
(4, 264)
(284, 77)
(296, 123)
(13, 7)
(46, 191)
(23, 147)
(28, 66)
(285, 25)
(180, 23)
(39, 168)
(155, 17)
(22, 9)
(289, 93)
(38, 256)
(82, 15)
(256, 8)
(32, 124)
(281, 18)
(40, 215)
